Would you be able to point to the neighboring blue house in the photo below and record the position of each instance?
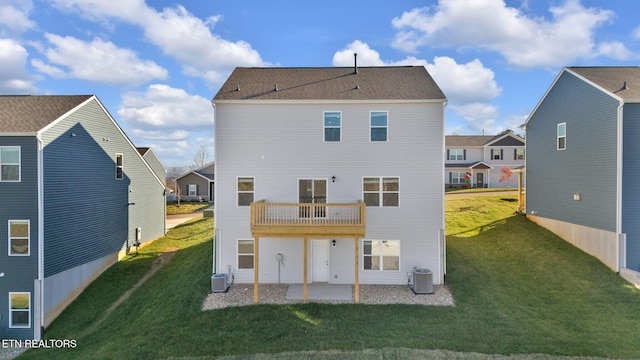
(76, 196)
(582, 163)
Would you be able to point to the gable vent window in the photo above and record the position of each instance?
(119, 167)
(562, 136)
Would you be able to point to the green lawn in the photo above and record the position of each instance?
(518, 290)
(186, 207)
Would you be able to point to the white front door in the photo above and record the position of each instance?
(319, 260)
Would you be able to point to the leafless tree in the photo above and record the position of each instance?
(201, 158)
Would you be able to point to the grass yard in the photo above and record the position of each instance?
(518, 290)
(186, 207)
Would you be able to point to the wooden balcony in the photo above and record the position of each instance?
(307, 220)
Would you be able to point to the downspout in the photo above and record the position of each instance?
(620, 151)
(215, 196)
(40, 152)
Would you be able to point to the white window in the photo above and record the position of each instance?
(119, 167)
(455, 154)
(19, 310)
(381, 255)
(19, 238)
(9, 163)
(496, 154)
(381, 191)
(332, 126)
(193, 190)
(246, 191)
(245, 254)
(519, 154)
(378, 126)
(562, 136)
(457, 177)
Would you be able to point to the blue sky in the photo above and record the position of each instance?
(156, 65)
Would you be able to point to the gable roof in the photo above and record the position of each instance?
(330, 83)
(613, 79)
(200, 172)
(31, 113)
(508, 139)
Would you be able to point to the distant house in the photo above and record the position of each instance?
(198, 184)
(337, 172)
(481, 158)
(76, 195)
(582, 163)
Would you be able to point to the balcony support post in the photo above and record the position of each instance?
(356, 286)
(256, 255)
(304, 271)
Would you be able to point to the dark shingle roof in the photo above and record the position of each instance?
(330, 83)
(613, 78)
(29, 113)
(465, 140)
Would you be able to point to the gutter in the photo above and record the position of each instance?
(619, 173)
(38, 333)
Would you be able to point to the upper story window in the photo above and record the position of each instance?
(9, 163)
(562, 136)
(518, 154)
(496, 154)
(18, 237)
(381, 191)
(332, 126)
(455, 154)
(19, 310)
(119, 167)
(378, 126)
(246, 191)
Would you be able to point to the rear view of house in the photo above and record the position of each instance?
(582, 167)
(76, 195)
(329, 175)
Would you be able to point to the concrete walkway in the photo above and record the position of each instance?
(175, 220)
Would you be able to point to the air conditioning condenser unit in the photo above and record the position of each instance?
(219, 283)
(422, 281)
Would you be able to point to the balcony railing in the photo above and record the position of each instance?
(303, 218)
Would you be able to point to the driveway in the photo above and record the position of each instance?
(177, 219)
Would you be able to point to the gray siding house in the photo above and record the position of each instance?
(329, 175)
(198, 184)
(482, 158)
(582, 166)
(76, 196)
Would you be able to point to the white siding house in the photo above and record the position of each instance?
(332, 167)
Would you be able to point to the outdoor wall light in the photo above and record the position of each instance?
(333, 179)
(333, 242)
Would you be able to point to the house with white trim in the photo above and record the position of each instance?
(197, 184)
(329, 175)
(77, 195)
(582, 163)
(478, 160)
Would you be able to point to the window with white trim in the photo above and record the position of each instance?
(9, 163)
(119, 167)
(378, 126)
(519, 154)
(245, 254)
(496, 154)
(246, 191)
(456, 154)
(562, 136)
(381, 191)
(332, 126)
(19, 238)
(193, 190)
(19, 310)
(457, 177)
(382, 255)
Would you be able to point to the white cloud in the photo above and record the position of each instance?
(635, 33)
(461, 83)
(14, 17)
(464, 83)
(523, 40)
(179, 34)
(164, 108)
(615, 50)
(96, 60)
(13, 76)
(480, 117)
